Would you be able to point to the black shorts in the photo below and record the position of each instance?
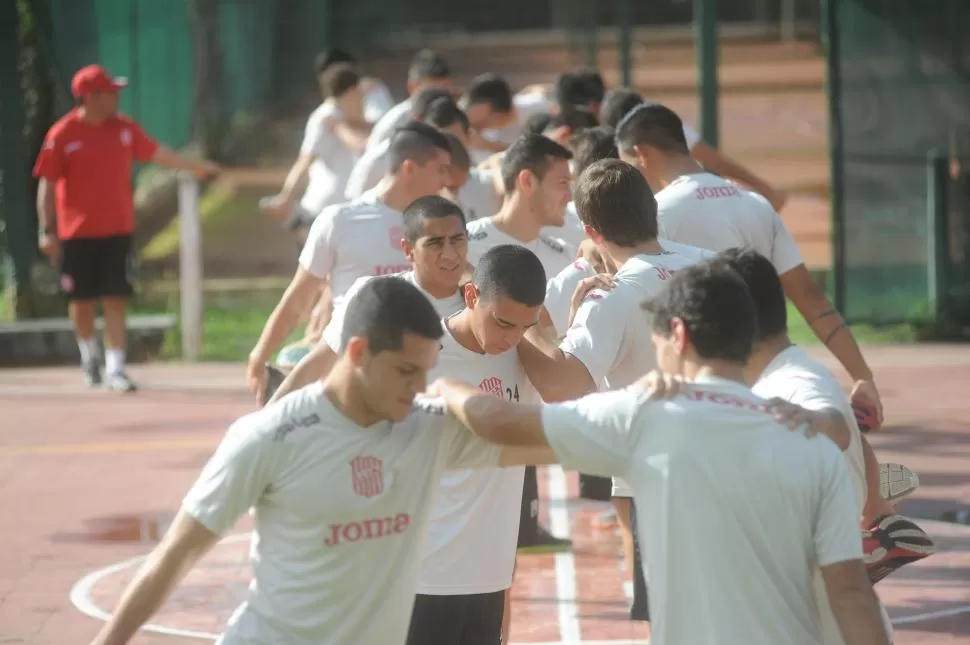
(97, 267)
(472, 619)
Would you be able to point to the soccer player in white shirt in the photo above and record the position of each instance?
(535, 173)
(435, 241)
(780, 369)
(341, 477)
(433, 106)
(702, 209)
(619, 102)
(356, 239)
(377, 98)
(428, 69)
(712, 461)
(335, 135)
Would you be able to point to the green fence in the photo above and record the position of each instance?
(899, 89)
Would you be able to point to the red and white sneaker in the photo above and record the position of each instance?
(892, 542)
(896, 481)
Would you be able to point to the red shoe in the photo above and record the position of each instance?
(892, 542)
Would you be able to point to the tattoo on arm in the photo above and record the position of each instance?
(834, 332)
(826, 314)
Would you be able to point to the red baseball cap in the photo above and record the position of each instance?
(95, 78)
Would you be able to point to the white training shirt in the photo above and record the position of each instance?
(477, 196)
(394, 118)
(796, 377)
(710, 212)
(555, 254)
(444, 306)
(332, 160)
(352, 240)
(474, 527)
(560, 288)
(736, 512)
(610, 334)
(340, 515)
(369, 170)
(377, 101)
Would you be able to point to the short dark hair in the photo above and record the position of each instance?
(425, 208)
(614, 199)
(654, 125)
(324, 60)
(459, 153)
(573, 117)
(579, 88)
(384, 310)
(415, 141)
(424, 99)
(617, 105)
(511, 271)
(592, 145)
(532, 152)
(339, 79)
(537, 123)
(428, 65)
(716, 307)
(444, 113)
(762, 280)
(490, 89)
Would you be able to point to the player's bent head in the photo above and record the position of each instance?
(339, 79)
(505, 296)
(571, 120)
(444, 114)
(651, 127)
(617, 104)
(488, 101)
(423, 100)
(527, 161)
(537, 123)
(615, 204)
(428, 68)
(461, 164)
(419, 153)
(592, 145)
(704, 314)
(762, 280)
(391, 336)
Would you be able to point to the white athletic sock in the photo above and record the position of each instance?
(114, 361)
(88, 348)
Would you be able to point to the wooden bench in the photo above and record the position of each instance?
(51, 341)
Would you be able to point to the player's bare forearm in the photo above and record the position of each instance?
(556, 375)
(835, 426)
(45, 205)
(186, 541)
(296, 177)
(312, 367)
(825, 321)
(296, 299)
(493, 419)
(854, 604)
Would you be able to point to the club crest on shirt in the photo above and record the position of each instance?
(126, 137)
(394, 236)
(367, 476)
(492, 385)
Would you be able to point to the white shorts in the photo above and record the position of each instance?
(621, 488)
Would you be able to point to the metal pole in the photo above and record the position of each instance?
(625, 42)
(787, 20)
(833, 83)
(705, 37)
(937, 212)
(592, 33)
(190, 267)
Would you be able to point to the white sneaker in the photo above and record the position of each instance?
(896, 481)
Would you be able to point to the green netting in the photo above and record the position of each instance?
(902, 89)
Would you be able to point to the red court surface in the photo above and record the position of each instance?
(89, 479)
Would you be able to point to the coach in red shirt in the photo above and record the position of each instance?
(86, 213)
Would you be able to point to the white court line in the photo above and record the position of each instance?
(565, 562)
